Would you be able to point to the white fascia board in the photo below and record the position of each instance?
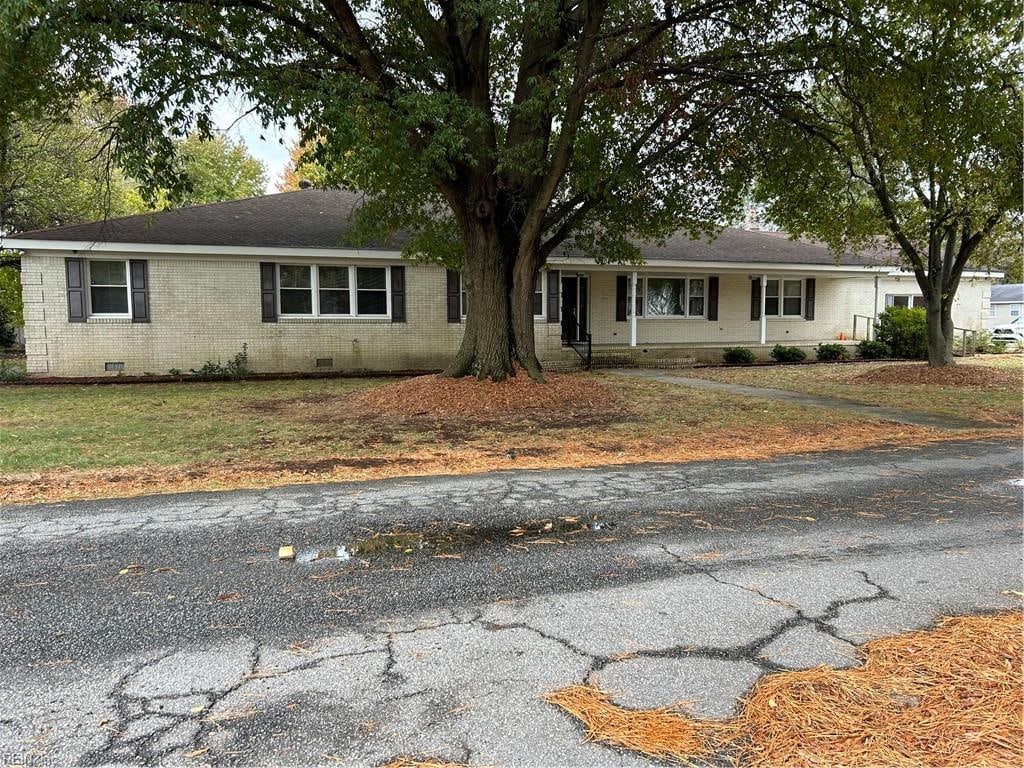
(717, 267)
(197, 250)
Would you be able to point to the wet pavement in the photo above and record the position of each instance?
(428, 616)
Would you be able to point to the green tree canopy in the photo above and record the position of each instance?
(496, 131)
(909, 132)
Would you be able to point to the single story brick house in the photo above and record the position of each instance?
(172, 290)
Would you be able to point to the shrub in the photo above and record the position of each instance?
(738, 356)
(832, 352)
(783, 354)
(984, 343)
(872, 349)
(904, 330)
(236, 368)
(7, 336)
(11, 370)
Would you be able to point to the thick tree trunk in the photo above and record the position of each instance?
(487, 343)
(523, 276)
(940, 331)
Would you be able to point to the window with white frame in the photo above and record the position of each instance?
(672, 297)
(108, 289)
(333, 291)
(1015, 310)
(790, 303)
(903, 300)
(539, 281)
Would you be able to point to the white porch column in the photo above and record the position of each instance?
(632, 312)
(874, 312)
(764, 318)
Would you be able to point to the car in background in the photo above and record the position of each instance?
(1011, 334)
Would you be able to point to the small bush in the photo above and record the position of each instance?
(11, 371)
(832, 352)
(872, 349)
(7, 335)
(904, 330)
(985, 344)
(236, 368)
(783, 354)
(738, 356)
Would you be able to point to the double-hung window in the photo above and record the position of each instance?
(333, 291)
(674, 297)
(108, 289)
(903, 300)
(791, 301)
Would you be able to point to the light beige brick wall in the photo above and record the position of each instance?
(836, 302)
(206, 308)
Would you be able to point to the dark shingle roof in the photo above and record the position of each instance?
(1008, 294)
(319, 218)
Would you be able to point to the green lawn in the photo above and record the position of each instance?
(1000, 404)
(81, 441)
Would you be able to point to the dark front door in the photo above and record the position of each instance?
(575, 307)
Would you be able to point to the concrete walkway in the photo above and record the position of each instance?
(899, 415)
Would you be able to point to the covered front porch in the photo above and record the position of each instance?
(662, 313)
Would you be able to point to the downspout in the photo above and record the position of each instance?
(874, 312)
(632, 310)
(764, 318)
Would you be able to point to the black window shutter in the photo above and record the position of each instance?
(75, 269)
(268, 291)
(755, 299)
(712, 298)
(454, 297)
(809, 299)
(554, 291)
(398, 294)
(139, 269)
(621, 298)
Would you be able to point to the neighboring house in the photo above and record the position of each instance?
(1006, 305)
(171, 290)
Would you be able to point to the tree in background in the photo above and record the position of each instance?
(910, 132)
(495, 131)
(60, 167)
(301, 167)
(213, 170)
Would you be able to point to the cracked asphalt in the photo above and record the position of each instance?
(165, 631)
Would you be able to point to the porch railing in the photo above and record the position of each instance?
(582, 345)
(869, 326)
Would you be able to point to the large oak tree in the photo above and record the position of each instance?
(493, 131)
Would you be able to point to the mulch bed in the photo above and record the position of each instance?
(949, 376)
(469, 398)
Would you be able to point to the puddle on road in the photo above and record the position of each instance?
(440, 540)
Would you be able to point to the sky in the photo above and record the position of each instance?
(267, 144)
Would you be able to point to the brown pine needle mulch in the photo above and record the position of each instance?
(948, 376)
(409, 762)
(949, 696)
(440, 397)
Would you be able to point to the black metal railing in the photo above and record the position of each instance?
(582, 344)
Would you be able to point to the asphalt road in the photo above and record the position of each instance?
(164, 630)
